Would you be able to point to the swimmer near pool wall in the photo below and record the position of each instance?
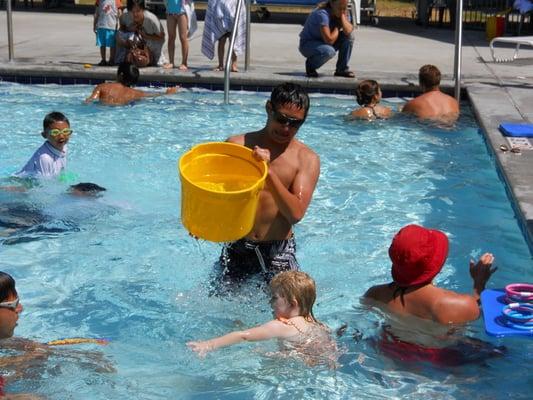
(220, 186)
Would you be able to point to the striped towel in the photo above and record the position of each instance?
(219, 21)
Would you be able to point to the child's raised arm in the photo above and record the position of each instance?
(270, 330)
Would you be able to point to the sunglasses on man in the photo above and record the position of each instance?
(11, 305)
(283, 119)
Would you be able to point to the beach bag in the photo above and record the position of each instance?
(139, 55)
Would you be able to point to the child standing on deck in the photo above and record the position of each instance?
(105, 26)
(178, 17)
(51, 158)
(293, 296)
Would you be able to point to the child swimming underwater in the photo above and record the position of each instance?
(293, 296)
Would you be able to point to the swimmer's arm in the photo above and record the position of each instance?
(461, 308)
(481, 272)
(270, 330)
(294, 201)
(94, 96)
(170, 90)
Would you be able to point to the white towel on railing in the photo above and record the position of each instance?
(192, 23)
(219, 21)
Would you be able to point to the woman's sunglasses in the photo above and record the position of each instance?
(57, 132)
(285, 120)
(12, 305)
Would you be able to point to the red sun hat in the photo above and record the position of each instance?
(417, 255)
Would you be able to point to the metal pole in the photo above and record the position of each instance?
(458, 48)
(230, 51)
(247, 53)
(10, 30)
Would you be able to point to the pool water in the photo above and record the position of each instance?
(122, 267)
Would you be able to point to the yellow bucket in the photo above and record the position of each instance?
(220, 185)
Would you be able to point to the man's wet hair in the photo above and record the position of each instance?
(429, 76)
(88, 187)
(290, 93)
(127, 73)
(365, 92)
(131, 3)
(53, 117)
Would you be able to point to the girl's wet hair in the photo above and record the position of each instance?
(365, 92)
(7, 286)
(290, 93)
(299, 286)
(53, 117)
(128, 74)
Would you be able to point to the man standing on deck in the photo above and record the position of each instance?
(292, 176)
(432, 103)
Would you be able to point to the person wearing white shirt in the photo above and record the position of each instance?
(51, 158)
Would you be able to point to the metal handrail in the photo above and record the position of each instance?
(354, 12)
(247, 53)
(230, 51)
(10, 30)
(458, 49)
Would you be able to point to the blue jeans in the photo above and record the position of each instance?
(318, 53)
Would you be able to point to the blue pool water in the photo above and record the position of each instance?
(122, 266)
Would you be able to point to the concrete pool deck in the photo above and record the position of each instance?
(59, 44)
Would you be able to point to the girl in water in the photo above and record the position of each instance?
(368, 96)
(293, 296)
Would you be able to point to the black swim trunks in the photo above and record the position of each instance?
(245, 257)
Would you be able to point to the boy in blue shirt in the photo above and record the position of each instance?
(51, 158)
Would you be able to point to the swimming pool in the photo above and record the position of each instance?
(123, 267)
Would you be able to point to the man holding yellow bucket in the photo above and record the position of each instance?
(292, 176)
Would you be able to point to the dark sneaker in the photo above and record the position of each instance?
(345, 74)
(311, 73)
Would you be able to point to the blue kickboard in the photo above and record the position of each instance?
(516, 130)
(492, 303)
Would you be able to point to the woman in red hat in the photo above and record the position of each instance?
(418, 254)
